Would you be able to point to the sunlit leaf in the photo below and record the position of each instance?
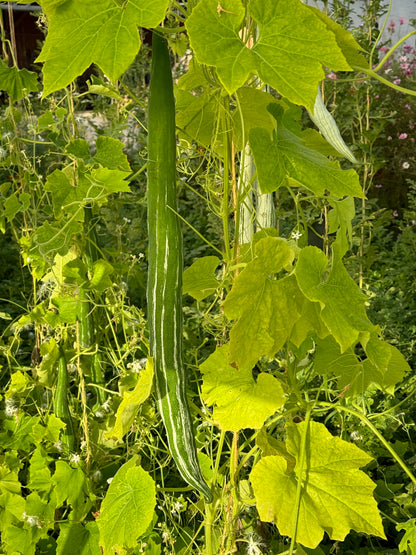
(292, 46)
(127, 509)
(342, 302)
(239, 400)
(127, 410)
(336, 496)
(104, 33)
(264, 309)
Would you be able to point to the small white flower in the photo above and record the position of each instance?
(106, 406)
(96, 476)
(405, 165)
(109, 480)
(355, 436)
(296, 235)
(177, 507)
(254, 546)
(32, 520)
(72, 368)
(58, 445)
(137, 365)
(74, 458)
(11, 407)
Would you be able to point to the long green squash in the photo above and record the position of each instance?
(61, 407)
(164, 286)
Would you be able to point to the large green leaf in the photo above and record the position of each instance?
(240, 401)
(106, 33)
(199, 280)
(71, 485)
(85, 538)
(17, 82)
(292, 46)
(336, 496)
(265, 309)
(342, 302)
(349, 46)
(127, 508)
(285, 155)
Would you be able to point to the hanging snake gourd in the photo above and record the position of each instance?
(164, 288)
(329, 129)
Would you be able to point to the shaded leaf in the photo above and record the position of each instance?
(17, 82)
(86, 538)
(286, 156)
(199, 280)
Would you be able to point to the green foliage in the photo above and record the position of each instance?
(300, 401)
(316, 487)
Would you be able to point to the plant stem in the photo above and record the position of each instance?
(300, 481)
(379, 436)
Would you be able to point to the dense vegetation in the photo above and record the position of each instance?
(263, 400)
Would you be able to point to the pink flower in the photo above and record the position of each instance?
(392, 25)
(387, 70)
(384, 48)
(389, 138)
(397, 81)
(407, 106)
(332, 75)
(379, 185)
(403, 136)
(407, 48)
(403, 58)
(401, 20)
(405, 165)
(395, 214)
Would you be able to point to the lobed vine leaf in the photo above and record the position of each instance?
(17, 82)
(239, 400)
(86, 538)
(342, 302)
(82, 33)
(199, 279)
(286, 156)
(336, 496)
(292, 46)
(265, 309)
(127, 509)
(408, 542)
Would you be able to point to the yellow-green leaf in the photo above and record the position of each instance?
(239, 400)
(336, 496)
(131, 402)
